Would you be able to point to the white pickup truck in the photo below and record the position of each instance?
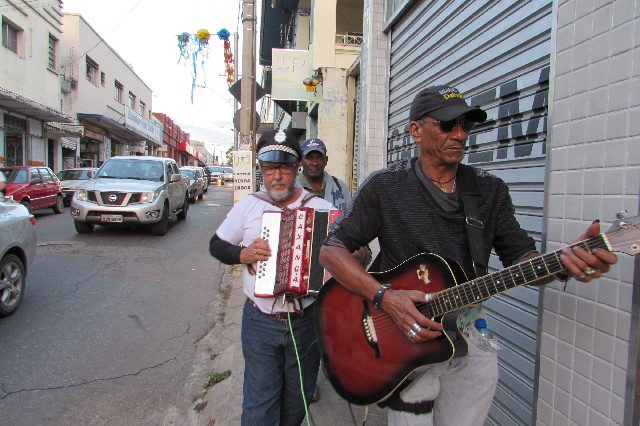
(131, 191)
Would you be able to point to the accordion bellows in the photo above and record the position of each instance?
(295, 237)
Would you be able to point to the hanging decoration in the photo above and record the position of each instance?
(223, 35)
(194, 48)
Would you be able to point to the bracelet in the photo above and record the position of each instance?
(377, 299)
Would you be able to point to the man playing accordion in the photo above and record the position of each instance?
(277, 332)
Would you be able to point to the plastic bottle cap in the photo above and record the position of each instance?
(481, 323)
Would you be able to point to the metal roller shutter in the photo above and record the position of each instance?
(497, 53)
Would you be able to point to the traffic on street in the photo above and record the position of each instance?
(109, 322)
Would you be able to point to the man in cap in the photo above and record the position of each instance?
(416, 206)
(314, 178)
(272, 392)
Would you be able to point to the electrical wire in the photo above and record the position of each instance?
(295, 348)
(102, 39)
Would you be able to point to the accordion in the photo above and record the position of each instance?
(294, 237)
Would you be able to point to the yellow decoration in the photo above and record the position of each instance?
(203, 35)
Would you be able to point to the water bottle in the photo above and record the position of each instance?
(481, 326)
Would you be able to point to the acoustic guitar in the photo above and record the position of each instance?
(366, 356)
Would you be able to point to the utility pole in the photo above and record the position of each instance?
(248, 94)
(235, 78)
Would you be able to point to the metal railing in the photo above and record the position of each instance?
(349, 39)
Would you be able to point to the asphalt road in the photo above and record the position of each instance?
(108, 329)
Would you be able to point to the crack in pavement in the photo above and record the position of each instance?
(85, 383)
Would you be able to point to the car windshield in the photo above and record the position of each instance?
(73, 174)
(188, 173)
(215, 169)
(131, 169)
(15, 175)
(227, 169)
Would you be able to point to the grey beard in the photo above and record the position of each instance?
(280, 195)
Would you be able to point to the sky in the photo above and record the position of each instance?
(144, 33)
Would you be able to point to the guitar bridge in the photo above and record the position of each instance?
(369, 328)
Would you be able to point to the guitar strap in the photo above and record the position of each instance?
(469, 194)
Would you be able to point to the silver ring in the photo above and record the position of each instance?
(416, 327)
(589, 270)
(255, 252)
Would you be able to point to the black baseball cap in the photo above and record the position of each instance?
(443, 103)
(278, 146)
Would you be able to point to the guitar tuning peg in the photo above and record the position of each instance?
(622, 214)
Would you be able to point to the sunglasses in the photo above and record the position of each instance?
(448, 126)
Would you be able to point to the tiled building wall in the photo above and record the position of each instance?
(594, 172)
(373, 77)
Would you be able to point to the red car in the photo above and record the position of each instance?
(36, 187)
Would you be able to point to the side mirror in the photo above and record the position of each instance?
(176, 177)
(90, 174)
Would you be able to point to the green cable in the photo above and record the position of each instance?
(295, 348)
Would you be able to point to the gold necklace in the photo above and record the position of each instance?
(442, 184)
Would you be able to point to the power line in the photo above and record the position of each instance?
(102, 38)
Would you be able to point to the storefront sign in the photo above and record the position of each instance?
(290, 67)
(134, 121)
(243, 175)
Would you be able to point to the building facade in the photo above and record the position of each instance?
(108, 99)
(558, 80)
(30, 89)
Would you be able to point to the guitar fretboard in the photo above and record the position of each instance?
(482, 288)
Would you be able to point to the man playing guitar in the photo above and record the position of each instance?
(414, 207)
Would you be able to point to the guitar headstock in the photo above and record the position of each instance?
(624, 235)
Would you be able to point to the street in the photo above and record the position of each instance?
(108, 329)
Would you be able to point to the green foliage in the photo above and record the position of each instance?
(213, 378)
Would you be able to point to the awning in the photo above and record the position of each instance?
(273, 19)
(68, 143)
(64, 129)
(112, 126)
(29, 108)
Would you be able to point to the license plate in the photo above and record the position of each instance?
(111, 218)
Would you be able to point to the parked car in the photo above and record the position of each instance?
(36, 187)
(217, 177)
(196, 182)
(227, 174)
(71, 178)
(132, 191)
(17, 252)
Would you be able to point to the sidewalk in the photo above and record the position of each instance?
(224, 400)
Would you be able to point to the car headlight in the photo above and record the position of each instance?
(81, 195)
(148, 197)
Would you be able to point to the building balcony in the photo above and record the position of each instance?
(349, 39)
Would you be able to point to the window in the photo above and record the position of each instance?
(141, 108)
(53, 42)
(103, 79)
(132, 101)
(92, 71)
(119, 88)
(10, 36)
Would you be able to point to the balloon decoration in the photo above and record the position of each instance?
(194, 48)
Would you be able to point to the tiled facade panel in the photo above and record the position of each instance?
(373, 76)
(594, 172)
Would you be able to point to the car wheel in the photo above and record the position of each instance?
(83, 227)
(162, 227)
(59, 206)
(185, 209)
(27, 205)
(202, 196)
(12, 284)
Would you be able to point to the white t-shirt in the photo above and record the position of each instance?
(242, 226)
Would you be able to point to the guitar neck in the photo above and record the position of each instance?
(482, 288)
